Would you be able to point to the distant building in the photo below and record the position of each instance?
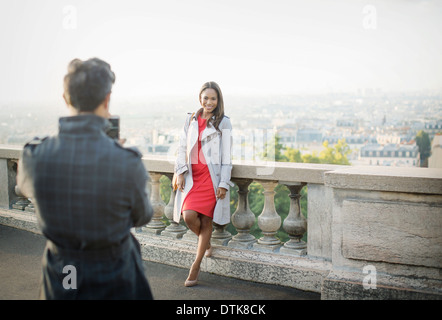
(435, 160)
(347, 123)
(387, 139)
(354, 142)
(158, 149)
(433, 127)
(357, 140)
(308, 135)
(395, 155)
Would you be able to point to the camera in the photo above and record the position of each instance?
(114, 130)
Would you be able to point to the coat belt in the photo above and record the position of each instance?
(107, 253)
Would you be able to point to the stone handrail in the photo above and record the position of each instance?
(372, 232)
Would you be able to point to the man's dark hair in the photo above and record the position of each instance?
(87, 83)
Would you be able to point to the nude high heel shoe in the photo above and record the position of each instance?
(209, 251)
(191, 283)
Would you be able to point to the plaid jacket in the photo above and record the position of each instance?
(88, 192)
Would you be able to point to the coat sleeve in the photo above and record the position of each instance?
(142, 210)
(24, 179)
(181, 159)
(226, 154)
(26, 167)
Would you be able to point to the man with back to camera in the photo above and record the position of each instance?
(88, 193)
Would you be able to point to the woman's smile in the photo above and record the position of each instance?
(209, 101)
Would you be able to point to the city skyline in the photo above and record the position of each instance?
(302, 122)
(170, 48)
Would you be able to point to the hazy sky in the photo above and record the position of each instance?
(247, 46)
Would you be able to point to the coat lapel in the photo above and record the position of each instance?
(207, 132)
(192, 136)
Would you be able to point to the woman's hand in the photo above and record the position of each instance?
(221, 193)
(180, 181)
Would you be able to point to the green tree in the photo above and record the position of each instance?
(424, 144)
(311, 158)
(330, 155)
(293, 155)
(335, 155)
(165, 189)
(256, 198)
(273, 150)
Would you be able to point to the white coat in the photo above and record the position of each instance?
(216, 147)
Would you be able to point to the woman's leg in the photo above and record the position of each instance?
(201, 225)
(192, 220)
(203, 238)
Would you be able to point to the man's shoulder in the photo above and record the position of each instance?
(34, 143)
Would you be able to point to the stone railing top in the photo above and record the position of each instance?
(275, 171)
(378, 178)
(10, 151)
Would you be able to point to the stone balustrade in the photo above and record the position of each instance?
(372, 232)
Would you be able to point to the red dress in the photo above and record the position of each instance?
(201, 198)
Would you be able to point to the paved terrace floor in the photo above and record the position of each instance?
(20, 271)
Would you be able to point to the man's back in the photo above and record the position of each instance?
(85, 185)
(88, 192)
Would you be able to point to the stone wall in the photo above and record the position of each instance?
(387, 223)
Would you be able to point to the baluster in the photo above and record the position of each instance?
(19, 202)
(156, 226)
(174, 230)
(22, 202)
(268, 221)
(243, 218)
(295, 224)
(30, 207)
(220, 235)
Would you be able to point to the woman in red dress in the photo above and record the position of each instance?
(199, 203)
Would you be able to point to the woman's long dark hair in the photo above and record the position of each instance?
(219, 110)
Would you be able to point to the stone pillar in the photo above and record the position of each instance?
(30, 207)
(319, 226)
(243, 218)
(22, 202)
(190, 236)
(295, 224)
(220, 235)
(268, 221)
(156, 226)
(8, 175)
(174, 230)
(4, 185)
